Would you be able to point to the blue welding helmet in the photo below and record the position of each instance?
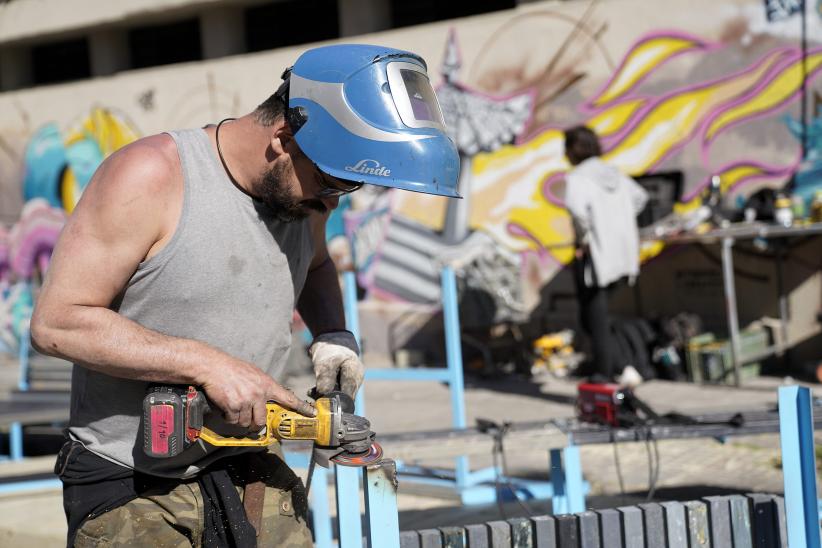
(369, 114)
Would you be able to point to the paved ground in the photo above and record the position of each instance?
(688, 468)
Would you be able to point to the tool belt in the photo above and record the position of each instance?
(93, 486)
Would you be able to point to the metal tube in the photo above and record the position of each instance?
(730, 303)
(319, 508)
(457, 212)
(574, 488)
(559, 499)
(381, 505)
(23, 379)
(799, 466)
(347, 480)
(352, 318)
(349, 525)
(784, 313)
(352, 323)
(453, 350)
(16, 441)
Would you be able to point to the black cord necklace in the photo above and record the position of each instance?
(220, 154)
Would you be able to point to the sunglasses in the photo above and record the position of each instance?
(332, 187)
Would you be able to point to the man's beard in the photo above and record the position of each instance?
(275, 195)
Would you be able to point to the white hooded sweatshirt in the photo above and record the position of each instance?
(604, 204)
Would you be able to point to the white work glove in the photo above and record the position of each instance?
(336, 355)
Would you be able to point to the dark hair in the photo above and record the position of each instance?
(581, 143)
(269, 110)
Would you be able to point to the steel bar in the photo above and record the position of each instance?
(799, 466)
(730, 303)
(381, 505)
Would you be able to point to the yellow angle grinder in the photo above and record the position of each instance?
(173, 421)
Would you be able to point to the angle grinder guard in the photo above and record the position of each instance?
(356, 443)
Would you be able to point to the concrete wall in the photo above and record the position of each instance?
(22, 20)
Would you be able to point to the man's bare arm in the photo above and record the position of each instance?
(127, 213)
(320, 304)
(334, 352)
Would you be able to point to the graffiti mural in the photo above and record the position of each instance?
(59, 165)
(641, 132)
(25, 253)
(650, 118)
(810, 170)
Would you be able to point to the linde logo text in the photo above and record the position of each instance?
(369, 167)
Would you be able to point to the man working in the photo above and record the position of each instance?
(182, 264)
(603, 203)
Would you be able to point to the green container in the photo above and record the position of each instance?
(714, 358)
(692, 360)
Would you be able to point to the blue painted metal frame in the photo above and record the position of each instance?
(17, 487)
(799, 466)
(16, 428)
(23, 358)
(381, 505)
(473, 487)
(453, 356)
(347, 479)
(566, 477)
(569, 496)
(318, 498)
(321, 520)
(349, 521)
(481, 484)
(798, 457)
(16, 441)
(352, 322)
(452, 374)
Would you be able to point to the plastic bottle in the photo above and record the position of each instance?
(783, 211)
(715, 200)
(816, 207)
(798, 207)
(714, 192)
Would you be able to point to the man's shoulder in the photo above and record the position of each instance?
(135, 191)
(158, 151)
(150, 162)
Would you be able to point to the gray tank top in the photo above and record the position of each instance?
(230, 277)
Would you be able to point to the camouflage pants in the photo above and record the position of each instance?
(174, 518)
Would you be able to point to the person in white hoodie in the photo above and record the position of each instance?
(604, 204)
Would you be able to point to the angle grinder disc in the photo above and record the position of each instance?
(373, 455)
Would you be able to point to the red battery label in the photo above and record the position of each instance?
(162, 428)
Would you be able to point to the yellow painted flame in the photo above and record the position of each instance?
(508, 189)
(778, 90)
(673, 121)
(507, 183)
(106, 129)
(614, 118)
(666, 126)
(640, 61)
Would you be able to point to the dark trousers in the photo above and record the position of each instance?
(595, 320)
